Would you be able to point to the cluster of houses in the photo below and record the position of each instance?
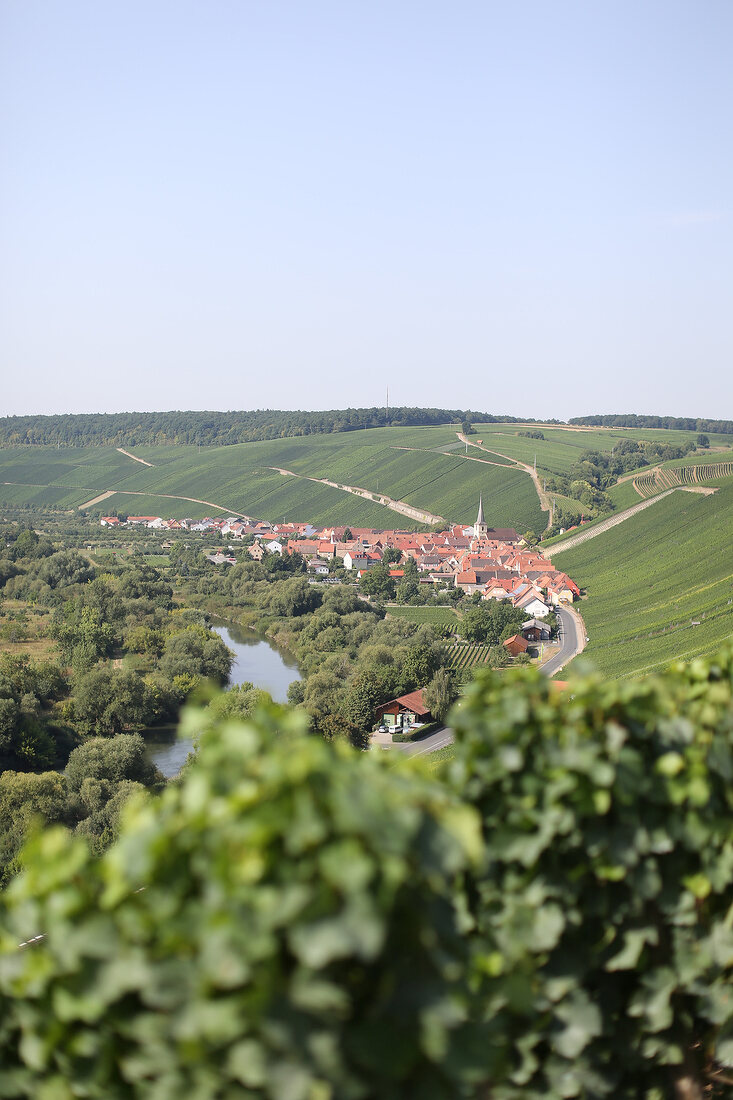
(494, 562)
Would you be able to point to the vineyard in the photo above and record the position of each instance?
(425, 468)
(467, 654)
(668, 477)
(660, 585)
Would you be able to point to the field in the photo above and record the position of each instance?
(426, 468)
(436, 616)
(624, 495)
(660, 585)
(144, 505)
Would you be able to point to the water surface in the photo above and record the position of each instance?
(256, 661)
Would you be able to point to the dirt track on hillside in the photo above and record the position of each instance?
(134, 457)
(378, 498)
(166, 496)
(607, 524)
(97, 500)
(545, 502)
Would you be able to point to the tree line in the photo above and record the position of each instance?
(216, 428)
(125, 659)
(637, 420)
(594, 472)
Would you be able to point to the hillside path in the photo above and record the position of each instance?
(451, 454)
(97, 500)
(134, 457)
(377, 498)
(545, 502)
(166, 496)
(607, 524)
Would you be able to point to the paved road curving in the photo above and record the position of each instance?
(572, 640)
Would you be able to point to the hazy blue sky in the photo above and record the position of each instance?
(519, 207)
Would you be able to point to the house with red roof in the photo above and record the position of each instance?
(516, 645)
(405, 712)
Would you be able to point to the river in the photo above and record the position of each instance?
(256, 661)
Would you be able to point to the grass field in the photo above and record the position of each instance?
(654, 576)
(436, 616)
(624, 495)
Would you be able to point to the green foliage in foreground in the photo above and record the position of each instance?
(551, 919)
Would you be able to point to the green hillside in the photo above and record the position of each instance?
(405, 464)
(651, 578)
(425, 467)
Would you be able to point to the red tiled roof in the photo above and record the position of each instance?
(414, 701)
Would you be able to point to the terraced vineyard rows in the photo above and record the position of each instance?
(666, 477)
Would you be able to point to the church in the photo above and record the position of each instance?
(481, 529)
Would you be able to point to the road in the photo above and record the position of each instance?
(572, 642)
(434, 741)
(607, 524)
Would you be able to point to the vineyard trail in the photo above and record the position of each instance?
(612, 521)
(545, 502)
(379, 498)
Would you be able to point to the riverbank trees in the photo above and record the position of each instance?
(350, 657)
(118, 657)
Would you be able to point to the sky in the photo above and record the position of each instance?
(518, 208)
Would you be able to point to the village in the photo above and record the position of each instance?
(496, 563)
(483, 562)
(478, 562)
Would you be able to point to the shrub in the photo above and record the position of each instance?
(257, 931)
(294, 919)
(604, 939)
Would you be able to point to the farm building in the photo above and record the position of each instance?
(515, 645)
(535, 631)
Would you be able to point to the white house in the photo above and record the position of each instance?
(353, 560)
(535, 607)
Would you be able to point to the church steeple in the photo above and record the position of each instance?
(480, 527)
